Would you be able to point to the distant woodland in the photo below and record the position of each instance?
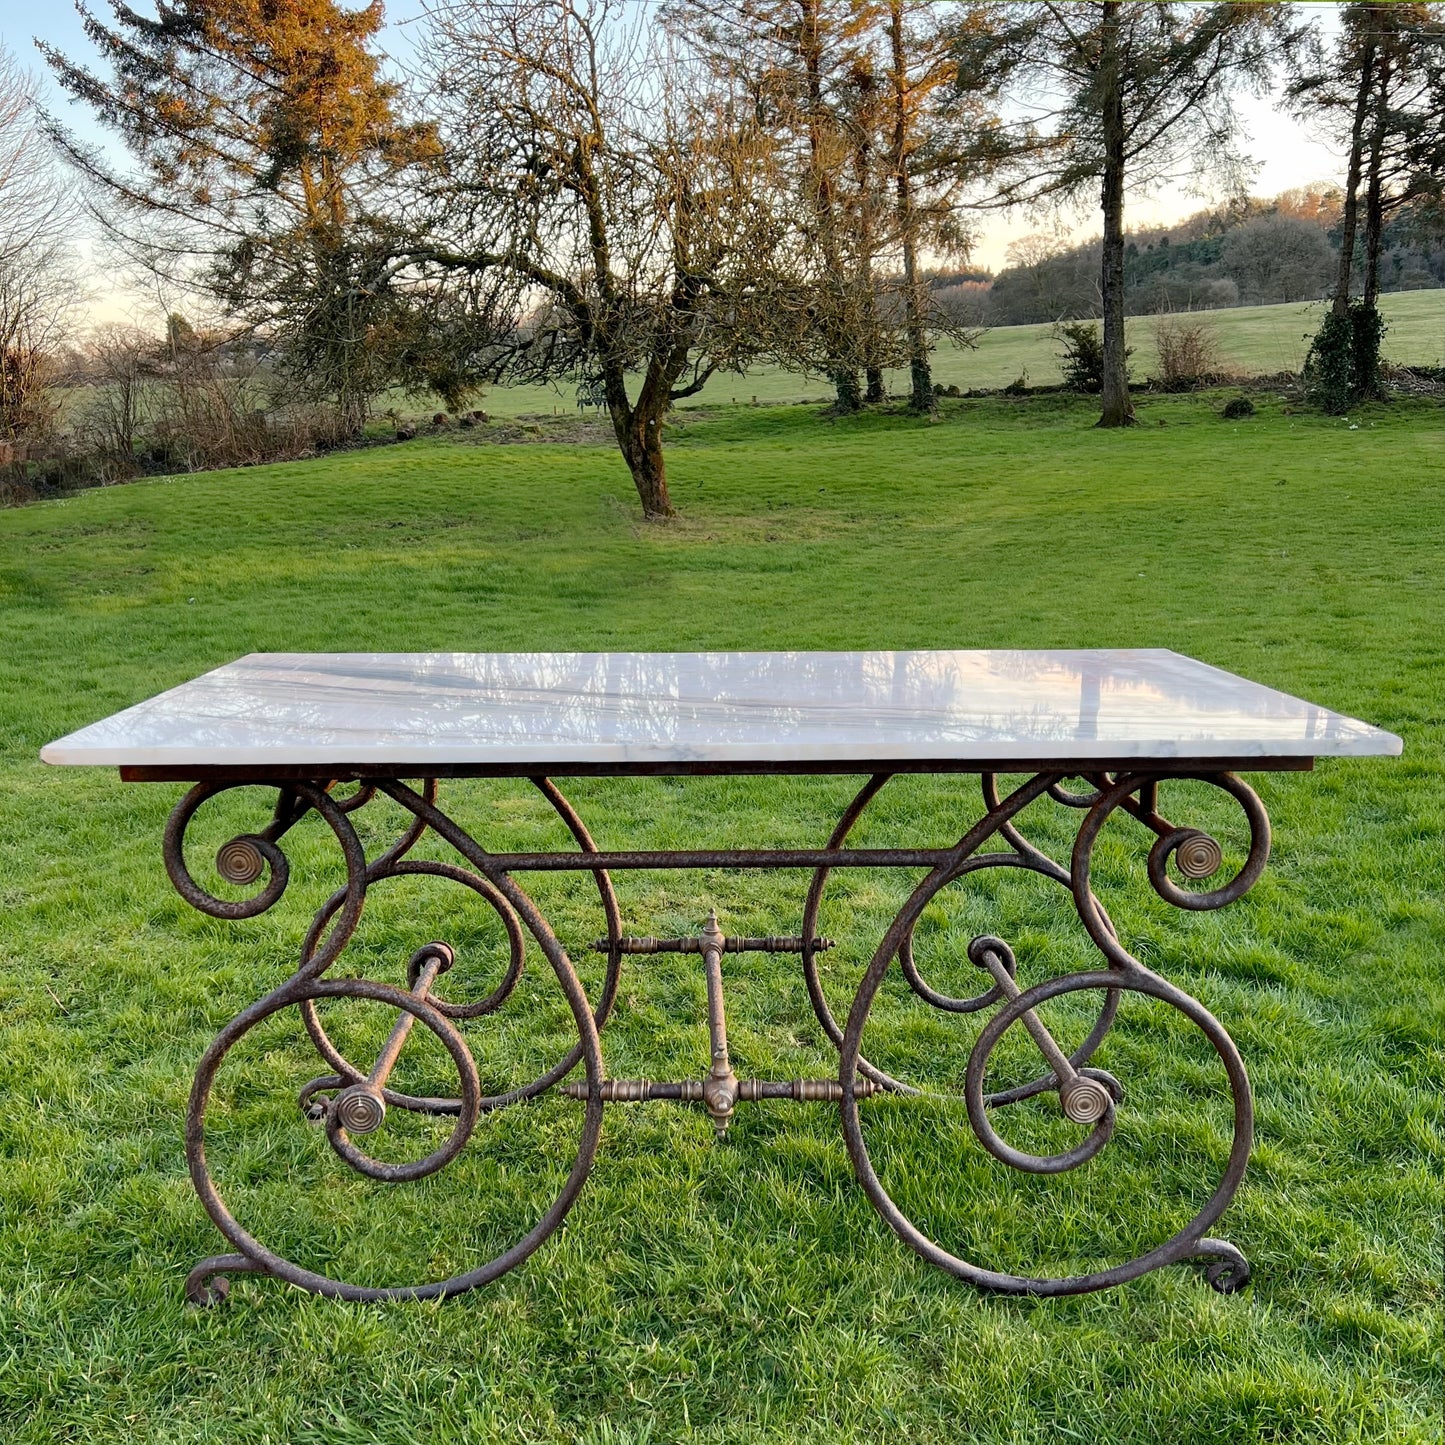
(1251, 252)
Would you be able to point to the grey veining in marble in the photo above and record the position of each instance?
(525, 709)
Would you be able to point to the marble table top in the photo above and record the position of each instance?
(620, 711)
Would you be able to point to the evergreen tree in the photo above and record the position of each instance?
(1138, 87)
(262, 140)
(940, 123)
(807, 70)
(1375, 89)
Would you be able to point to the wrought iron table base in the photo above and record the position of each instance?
(351, 1101)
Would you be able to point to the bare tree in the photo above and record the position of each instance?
(38, 284)
(1278, 258)
(1035, 258)
(119, 369)
(613, 200)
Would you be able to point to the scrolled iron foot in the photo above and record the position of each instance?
(207, 1287)
(1225, 1266)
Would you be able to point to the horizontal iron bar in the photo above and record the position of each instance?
(721, 858)
(791, 944)
(689, 1091)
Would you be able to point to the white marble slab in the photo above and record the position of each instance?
(526, 709)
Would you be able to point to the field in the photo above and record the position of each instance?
(1253, 340)
(744, 1291)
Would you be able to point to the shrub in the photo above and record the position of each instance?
(1330, 366)
(1188, 353)
(1238, 407)
(1343, 365)
(1082, 357)
(29, 403)
(1019, 385)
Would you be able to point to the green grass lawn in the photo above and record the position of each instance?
(1253, 341)
(744, 1291)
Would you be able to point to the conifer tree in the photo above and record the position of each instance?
(1124, 93)
(807, 70)
(262, 139)
(1374, 89)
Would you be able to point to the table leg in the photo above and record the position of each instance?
(354, 1101)
(1088, 1096)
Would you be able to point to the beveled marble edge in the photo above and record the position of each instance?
(414, 761)
(1348, 737)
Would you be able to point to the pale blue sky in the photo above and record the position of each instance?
(1287, 156)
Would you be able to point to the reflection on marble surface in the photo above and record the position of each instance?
(555, 708)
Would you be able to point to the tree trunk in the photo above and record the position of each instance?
(1350, 218)
(639, 435)
(1118, 410)
(354, 409)
(920, 397)
(848, 388)
(867, 242)
(1374, 193)
(810, 50)
(1366, 324)
(920, 375)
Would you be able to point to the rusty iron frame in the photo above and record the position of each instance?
(352, 1100)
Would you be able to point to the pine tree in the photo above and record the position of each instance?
(1375, 88)
(809, 72)
(1142, 85)
(937, 123)
(261, 134)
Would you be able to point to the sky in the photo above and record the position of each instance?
(1285, 153)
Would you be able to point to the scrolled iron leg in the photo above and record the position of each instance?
(204, 1284)
(1227, 1270)
(1089, 1097)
